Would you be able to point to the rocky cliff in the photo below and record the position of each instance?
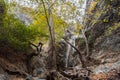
(103, 22)
(103, 34)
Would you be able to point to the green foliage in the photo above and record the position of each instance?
(40, 23)
(2, 11)
(95, 21)
(59, 26)
(105, 20)
(107, 2)
(92, 6)
(16, 33)
(111, 29)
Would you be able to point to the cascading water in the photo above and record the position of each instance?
(70, 50)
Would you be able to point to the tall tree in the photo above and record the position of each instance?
(50, 23)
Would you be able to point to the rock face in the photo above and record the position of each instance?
(103, 34)
(103, 21)
(112, 42)
(61, 56)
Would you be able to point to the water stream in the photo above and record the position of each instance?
(70, 50)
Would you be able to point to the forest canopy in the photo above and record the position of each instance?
(16, 33)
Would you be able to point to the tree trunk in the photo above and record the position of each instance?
(52, 53)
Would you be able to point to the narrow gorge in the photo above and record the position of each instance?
(60, 40)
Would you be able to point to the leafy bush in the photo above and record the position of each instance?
(16, 33)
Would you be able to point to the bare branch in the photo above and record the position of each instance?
(86, 41)
(79, 53)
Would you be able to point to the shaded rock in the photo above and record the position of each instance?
(108, 15)
(3, 77)
(61, 54)
(29, 77)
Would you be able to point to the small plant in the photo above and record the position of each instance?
(111, 29)
(92, 6)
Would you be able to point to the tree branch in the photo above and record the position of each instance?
(79, 53)
(51, 30)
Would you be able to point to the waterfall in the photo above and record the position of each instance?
(70, 50)
(69, 37)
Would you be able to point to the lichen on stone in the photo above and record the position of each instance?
(111, 29)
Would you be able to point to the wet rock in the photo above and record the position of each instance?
(3, 77)
(29, 77)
